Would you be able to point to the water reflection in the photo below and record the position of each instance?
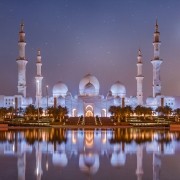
(59, 146)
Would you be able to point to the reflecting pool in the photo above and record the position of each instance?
(52, 153)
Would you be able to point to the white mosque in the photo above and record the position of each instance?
(88, 102)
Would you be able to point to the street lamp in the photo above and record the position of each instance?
(47, 97)
(38, 98)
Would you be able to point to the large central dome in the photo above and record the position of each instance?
(89, 85)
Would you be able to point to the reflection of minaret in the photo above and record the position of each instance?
(156, 62)
(21, 160)
(21, 163)
(38, 161)
(21, 61)
(38, 80)
(139, 170)
(156, 166)
(139, 79)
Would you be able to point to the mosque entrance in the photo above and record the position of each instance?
(89, 111)
(89, 114)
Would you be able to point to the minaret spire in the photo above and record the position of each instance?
(22, 26)
(21, 61)
(156, 26)
(38, 79)
(156, 62)
(139, 78)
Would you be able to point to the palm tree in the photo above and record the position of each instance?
(30, 111)
(166, 110)
(112, 110)
(20, 111)
(62, 111)
(177, 113)
(127, 111)
(10, 111)
(160, 110)
(138, 110)
(3, 112)
(40, 109)
(116, 111)
(52, 112)
(148, 111)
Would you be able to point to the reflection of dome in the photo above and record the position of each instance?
(89, 163)
(59, 160)
(60, 89)
(118, 159)
(118, 89)
(89, 85)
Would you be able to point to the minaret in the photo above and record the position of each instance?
(38, 79)
(139, 79)
(156, 62)
(21, 61)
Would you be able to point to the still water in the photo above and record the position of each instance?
(128, 154)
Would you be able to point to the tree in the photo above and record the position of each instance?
(143, 111)
(20, 111)
(160, 110)
(10, 111)
(62, 111)
(40, 111)
(138, 110)
(57, 113)
(147, 111)
(112, 110)
(52, 112)
(116, 111)
(3, 112)
(166, 110)
(177, 113)
(30, 111)
(127, 111)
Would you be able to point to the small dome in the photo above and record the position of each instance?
(118, 89)
(60, 89)
(90, 84)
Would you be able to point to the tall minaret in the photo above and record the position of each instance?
(139, 79)
(156, 62)
(38, 79)
(21, 61)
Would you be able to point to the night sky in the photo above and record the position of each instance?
(101, 37)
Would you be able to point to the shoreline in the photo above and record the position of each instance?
(90, 127)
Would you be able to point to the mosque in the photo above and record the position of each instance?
(89, 102)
